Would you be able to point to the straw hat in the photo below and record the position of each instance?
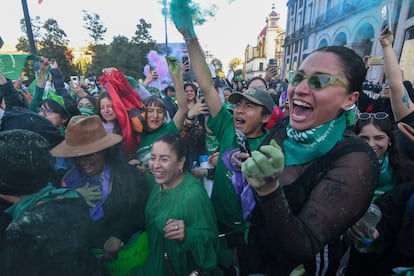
(85, 135)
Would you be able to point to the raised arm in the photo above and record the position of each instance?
(40, 85)
(182, 17)
(174, 68)
(400, 101)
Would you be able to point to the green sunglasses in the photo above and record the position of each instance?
(316, 81)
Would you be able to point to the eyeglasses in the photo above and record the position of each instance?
(316, 81)
(45, 110)
(377, 116)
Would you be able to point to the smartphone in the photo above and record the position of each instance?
(242, 141)
(199, 93)
(272, 62)
(153, 69)
(386, 16)
(184, 59)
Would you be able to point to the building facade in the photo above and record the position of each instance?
(268, 49)
(352, 23)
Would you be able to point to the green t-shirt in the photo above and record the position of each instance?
(226, 202)
(145, 145)
(147, 139)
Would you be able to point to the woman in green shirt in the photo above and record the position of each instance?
(179, 216)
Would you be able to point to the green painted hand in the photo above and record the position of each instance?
(173, 65)
(264, 166)
(182, 16)
(90, 193)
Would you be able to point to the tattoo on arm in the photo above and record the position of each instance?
(405, 99)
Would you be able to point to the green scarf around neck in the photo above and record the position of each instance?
(304, 146)
(46, 194)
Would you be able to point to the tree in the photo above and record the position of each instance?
(23, 44)
(235, 62)
(54, 44)
(217, 64)
(142, 34)
(54, 35)
(144, 44)
(94, 25)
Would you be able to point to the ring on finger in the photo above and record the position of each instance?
(176, 227)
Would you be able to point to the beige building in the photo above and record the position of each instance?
(352, 23)
(267, 50)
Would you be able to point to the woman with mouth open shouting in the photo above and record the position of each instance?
(310, 191)
(313, 177)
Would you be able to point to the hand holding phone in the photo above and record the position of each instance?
(185, 63)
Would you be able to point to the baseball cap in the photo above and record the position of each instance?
(257, 96)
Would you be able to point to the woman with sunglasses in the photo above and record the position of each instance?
(313, 177)
(309, 194)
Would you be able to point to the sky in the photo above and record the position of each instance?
(235, 24)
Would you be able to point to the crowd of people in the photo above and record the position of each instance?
(248, 177)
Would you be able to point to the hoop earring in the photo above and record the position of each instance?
(350, 108)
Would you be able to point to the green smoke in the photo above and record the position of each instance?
(181, 9)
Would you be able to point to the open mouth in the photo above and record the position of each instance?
(239, 121)
(301, 109)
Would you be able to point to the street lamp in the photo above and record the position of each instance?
(30, 35)
(29, 28)
(164, 12)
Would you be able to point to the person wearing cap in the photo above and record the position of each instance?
(48, 229)
(114, 190)
(251, 112)
(321, 183)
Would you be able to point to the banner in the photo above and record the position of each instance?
(11, 65)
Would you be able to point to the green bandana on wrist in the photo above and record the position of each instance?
(304, 146)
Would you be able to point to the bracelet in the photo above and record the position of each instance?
(188, 118)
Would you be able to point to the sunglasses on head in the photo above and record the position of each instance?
(316, 81)
(377, 116)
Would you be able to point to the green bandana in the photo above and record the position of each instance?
(304, 146)
(86, 110)
(11, 65)
(386, 177)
